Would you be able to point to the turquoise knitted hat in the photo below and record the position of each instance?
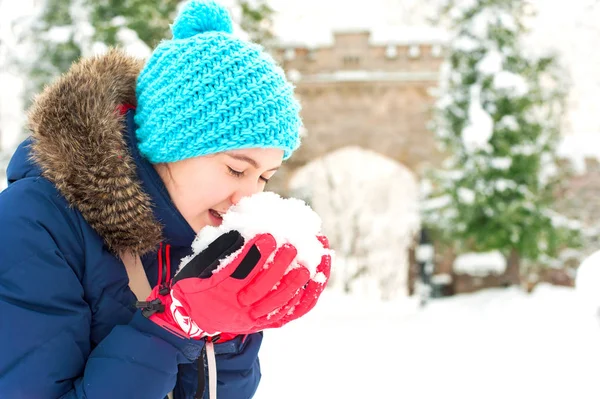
(205, 92)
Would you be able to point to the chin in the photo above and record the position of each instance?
(198, 225)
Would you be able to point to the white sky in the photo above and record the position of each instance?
(311, 21)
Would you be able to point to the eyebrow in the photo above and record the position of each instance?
(251, 161)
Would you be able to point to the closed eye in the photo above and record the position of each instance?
(235, 173)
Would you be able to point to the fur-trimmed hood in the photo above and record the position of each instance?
(79, 144)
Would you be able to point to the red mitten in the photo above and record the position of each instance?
(207, 298)
(306, 298)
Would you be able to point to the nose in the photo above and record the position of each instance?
(244, 191)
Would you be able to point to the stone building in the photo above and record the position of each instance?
(378, 94)
(358, 91)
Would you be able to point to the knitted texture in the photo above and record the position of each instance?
(206, 92)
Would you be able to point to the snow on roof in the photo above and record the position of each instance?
(366, 76)
(379, 36)
(409, 35)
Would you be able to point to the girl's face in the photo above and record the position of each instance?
(203, 188)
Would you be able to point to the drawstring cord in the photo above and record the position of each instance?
(160, 265)
(212, 369)
(164, 268)
(164, 279)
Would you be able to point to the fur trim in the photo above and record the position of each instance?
(78, 143)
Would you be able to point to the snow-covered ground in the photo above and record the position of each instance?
(497, 343)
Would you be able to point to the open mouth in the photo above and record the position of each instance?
(215, 214)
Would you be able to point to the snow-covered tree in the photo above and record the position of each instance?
(370, 212)
(257, 20)
(498, 119)
(65, 30)
(55, 43)
(149, 20)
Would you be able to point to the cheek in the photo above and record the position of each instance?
(194, 196)
(212, 192)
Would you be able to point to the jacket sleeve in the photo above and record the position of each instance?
(45, 320)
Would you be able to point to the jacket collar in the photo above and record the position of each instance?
(176, 229)
(80, 144)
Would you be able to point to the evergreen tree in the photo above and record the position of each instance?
(498, 119)
(257, 21)
(68, 29)
(150, 20)
(54, 45)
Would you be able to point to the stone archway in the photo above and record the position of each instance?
(369, 205)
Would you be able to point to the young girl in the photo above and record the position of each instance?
(126, 163)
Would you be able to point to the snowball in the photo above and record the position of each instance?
(287, 220)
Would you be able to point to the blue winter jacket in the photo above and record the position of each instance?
(68, 325)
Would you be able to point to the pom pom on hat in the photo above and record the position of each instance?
(200, 16)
